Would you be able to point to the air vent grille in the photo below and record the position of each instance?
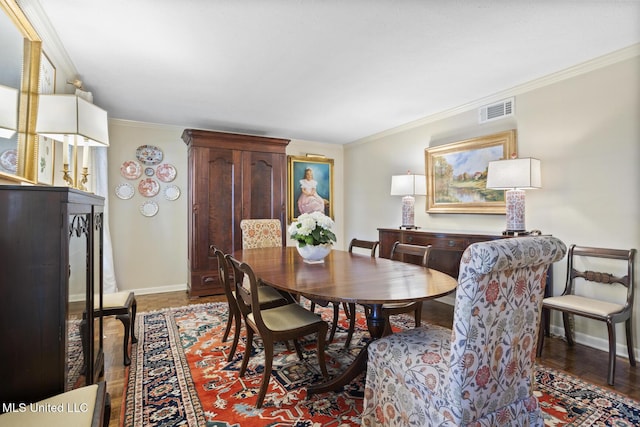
(496, 110)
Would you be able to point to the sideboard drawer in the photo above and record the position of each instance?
(439, 242)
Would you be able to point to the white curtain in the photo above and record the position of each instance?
(101, 186)
(102, 189)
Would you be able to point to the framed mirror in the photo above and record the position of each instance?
(20, 50)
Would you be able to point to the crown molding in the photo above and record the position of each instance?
(576, 70)
(51, 44)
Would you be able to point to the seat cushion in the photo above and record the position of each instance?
(73, 408)
(286, 317)
(118, 299)
(581, 304)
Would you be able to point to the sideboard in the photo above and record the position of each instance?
(446, 248)
(51, 250)
(446, 251)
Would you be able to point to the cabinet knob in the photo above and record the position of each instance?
(409, 238)
(451, 243)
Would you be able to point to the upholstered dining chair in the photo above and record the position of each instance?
(388, 310)
(267, 296)
(261, 233)
(282, 323)
(606, 308)
(350, 309)
(481, 372)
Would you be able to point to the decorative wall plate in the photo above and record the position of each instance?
(131, 169)
(149, 155)
(125, 191)
(149, 171)
(166, 172)
(148, 187)
(149, 208)
(9, 160)
(172, 192)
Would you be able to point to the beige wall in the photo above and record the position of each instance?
(586, 132)
(150, 253)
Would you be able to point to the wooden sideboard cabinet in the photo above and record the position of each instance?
(51, 252)
(231, 177)
(446, 248)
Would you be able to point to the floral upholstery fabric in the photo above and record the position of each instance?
(480, 373)
(261, 233)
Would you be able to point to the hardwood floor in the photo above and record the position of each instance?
(581, 361)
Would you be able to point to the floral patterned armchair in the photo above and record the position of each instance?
(261, 233)
(481, 372)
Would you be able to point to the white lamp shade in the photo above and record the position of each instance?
(8, 111)
(514, 173)
(408, 185)
(60, 115)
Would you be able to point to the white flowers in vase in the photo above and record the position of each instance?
(312, 229)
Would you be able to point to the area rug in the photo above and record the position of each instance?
(179, 376)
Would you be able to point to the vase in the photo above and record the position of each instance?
(314, 254)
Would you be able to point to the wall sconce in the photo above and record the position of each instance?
(72, 119)
(8, 111)
(515, 176)
(408, 185)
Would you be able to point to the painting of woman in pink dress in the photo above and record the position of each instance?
(309, 200)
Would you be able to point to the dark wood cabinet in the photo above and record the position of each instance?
(231, 177)
(446, 248)
(51, 252)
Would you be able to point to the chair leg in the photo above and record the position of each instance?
(126, 323)
(541, 334)
(352, 324)
(236, 335)
(418, 315)
(298, 347)
(230, 319)
(568, 332)
(611, 329)
(268, 365)
(334, 325)
(630, 347)
(134, 309)
(247, 352)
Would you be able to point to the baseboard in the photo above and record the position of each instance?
(595, 342)
(158, 289)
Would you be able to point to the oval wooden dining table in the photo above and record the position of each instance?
(350, 278)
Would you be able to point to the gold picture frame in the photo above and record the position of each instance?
(321, 169)
(457, 173)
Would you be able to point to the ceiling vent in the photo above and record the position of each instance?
(497, 110)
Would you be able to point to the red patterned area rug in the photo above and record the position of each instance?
(179, 376)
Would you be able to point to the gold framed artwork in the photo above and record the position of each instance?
(310, 186)
(46, 146)
(457, 174)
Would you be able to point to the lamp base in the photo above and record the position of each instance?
(515, 233)
(409, 227)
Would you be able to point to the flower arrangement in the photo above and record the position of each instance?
(312, 229)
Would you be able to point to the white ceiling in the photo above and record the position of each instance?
(323, 70)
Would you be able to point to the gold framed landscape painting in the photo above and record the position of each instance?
(310, 186)
(457, 174)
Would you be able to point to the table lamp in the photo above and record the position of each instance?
(515, 176)
(408, 186)
(69, 118)
(8, 111)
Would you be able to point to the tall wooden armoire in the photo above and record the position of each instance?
(231, 177)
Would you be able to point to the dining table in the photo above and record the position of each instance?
(347, 277)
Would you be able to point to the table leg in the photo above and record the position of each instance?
(375, 324)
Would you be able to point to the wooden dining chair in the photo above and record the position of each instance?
(350, 309)
(611, 310)
(388, 310)
(268, 296)
(282, 323)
